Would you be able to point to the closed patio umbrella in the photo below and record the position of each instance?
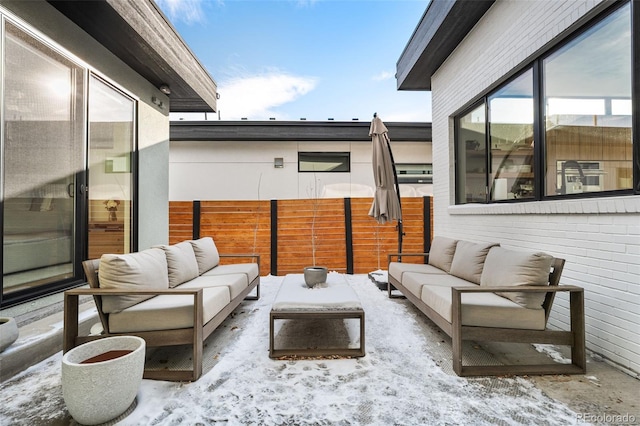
(386, 202)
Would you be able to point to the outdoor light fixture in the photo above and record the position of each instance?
(278, 163)
(157, 102)
(164, 88)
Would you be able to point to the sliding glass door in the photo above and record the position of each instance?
(111, 143)
(43, 157)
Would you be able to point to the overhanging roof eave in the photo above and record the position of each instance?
(443, 26)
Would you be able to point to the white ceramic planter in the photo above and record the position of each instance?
(99, 392)
(8, 332)
(315, 275)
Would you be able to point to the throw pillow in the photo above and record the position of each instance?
(441, 253)
(504, 268)
(206, 253)
(181, 263)
(468, 260)
(144, 269)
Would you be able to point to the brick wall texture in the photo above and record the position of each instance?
(598, 237)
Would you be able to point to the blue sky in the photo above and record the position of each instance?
(313, 59)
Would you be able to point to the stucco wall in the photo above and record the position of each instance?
(599, 238)
(244, 170)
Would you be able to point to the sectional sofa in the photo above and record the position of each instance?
(484, 292)
(168, 295)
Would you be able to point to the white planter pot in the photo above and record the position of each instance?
(101, 391)
(8, 332)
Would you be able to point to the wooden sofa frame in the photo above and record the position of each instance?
(194, 336)
(575, 337)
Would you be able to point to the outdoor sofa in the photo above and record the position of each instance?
(484, 292)
(168, 295)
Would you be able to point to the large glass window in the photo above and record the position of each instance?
(511, 140)
(43, 130)
(584, 95)
(587, 95)
(471, 164)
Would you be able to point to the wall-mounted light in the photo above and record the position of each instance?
(164, 88)
(157, 102)
(217, 95)
(278, 163)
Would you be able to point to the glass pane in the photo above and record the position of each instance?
(111, 142)
(471, 169)
(323, 162)
(511, 138)
(43, 151)
(587, 89)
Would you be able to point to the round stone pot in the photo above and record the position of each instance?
(8, 332)
(315, 275)
(100, 391)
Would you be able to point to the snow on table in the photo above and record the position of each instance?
(335, 294)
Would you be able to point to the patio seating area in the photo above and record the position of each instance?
(408, 362)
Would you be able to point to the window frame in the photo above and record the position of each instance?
(539, 130)
(344, 155)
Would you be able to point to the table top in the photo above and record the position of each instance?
(335, 294)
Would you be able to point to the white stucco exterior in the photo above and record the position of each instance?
(598, 237)
(218, 170)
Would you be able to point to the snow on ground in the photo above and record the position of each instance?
(397, 382)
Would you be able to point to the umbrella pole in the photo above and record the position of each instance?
(395, 178)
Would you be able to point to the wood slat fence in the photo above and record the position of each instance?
(288, 234)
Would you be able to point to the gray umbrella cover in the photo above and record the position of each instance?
(386, 205)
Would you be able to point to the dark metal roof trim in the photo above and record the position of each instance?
(138, 33)
(443, 26)
(293, 131)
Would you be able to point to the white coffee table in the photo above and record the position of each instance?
(335, 299)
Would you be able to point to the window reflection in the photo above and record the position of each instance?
(588, 110)
(471, 151)
(511, 139)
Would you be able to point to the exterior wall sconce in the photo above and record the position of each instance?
(164, 88)
(157, 102)
(278, 163)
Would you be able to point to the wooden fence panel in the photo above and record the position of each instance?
(180, 221)
(295, 223)
(245, 227)
(372, 242)
(239, 227)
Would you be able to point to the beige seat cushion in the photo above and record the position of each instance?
(235, 282)
(206, 252)
(468, 260)
(397, 269)
(484, 309)
(181, 263)
(413, 281)
(506, 268)
(168, 312)
(250, 270)
(144, 269)
(441, 252)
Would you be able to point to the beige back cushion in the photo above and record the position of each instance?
(181, 263)
(504, 268)
(468, 260)
(441, 253)
(206, 254)
(145, 269)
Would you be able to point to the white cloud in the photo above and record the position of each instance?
(188, 11)
(256, 97)
(384, 75)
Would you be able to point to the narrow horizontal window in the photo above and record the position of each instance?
(324, 162)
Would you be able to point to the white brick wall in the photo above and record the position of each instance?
(599, 238)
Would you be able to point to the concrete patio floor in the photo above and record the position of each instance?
(604, 391)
